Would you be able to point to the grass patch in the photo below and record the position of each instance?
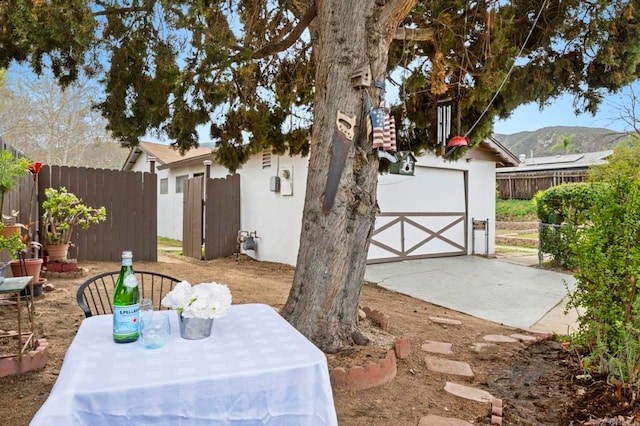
(533, 235)
(170, 245)
(168, 242)
(515, 249)
(516, 211)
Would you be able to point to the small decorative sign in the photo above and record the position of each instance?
(479, 225)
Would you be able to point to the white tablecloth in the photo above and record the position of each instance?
(254, 369)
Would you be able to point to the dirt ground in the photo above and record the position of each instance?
(538, 384)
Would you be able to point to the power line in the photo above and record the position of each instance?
(506, 77)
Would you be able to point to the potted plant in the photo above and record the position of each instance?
(197, 306)
(63, 211)
(11, 169)
(21, 265)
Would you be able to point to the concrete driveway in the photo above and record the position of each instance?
(496, 290)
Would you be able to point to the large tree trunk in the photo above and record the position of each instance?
(323, 302)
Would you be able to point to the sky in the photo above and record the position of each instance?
(524, 119)
(560, 113)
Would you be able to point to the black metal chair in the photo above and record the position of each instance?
(95, 295)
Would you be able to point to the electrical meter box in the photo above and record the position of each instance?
(275, 183)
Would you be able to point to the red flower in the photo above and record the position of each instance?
(34, 169)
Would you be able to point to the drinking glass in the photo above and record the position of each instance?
(146, 310)
(155, 331)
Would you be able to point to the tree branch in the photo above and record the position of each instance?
(291, 38)
(110, 10)
(392, 14)
(414, 34)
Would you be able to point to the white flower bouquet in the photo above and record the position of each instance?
(206, 300)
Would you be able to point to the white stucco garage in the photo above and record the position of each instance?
(425, 215)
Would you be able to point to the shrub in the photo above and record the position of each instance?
(607, 256)
(563, 210)
(608, 262)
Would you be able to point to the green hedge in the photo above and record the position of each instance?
(563, 210)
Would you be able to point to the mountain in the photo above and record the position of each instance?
(547, 141)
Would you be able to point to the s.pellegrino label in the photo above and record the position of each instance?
(126, 303)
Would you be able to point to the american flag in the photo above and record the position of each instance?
(383, 128)
(377, 123)
(389, 143)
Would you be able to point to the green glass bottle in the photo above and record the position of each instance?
(126, 303)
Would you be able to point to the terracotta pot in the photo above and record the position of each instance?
(57, 251)
(33, 267)
(9, 230)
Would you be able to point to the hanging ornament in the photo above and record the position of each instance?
(457, 141)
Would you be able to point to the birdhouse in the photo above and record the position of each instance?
(361, 77)
(405, 164)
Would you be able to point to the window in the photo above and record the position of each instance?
(164, 185)
(180, 183)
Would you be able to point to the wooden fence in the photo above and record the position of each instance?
(211, 217)
(524, 185)
(130, 199)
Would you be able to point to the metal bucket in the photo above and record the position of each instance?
(195, 328)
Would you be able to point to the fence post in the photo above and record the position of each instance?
(207, 175)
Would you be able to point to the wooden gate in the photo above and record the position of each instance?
(211, 217)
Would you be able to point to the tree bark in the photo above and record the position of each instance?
(323, 301)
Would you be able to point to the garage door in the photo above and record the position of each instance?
(422, 216)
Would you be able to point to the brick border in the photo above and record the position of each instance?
(81, 272)
(31, 360)
(496, 412)
(373, 374)
(360, 378)
(378, 317)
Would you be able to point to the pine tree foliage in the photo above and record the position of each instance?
(245, 65)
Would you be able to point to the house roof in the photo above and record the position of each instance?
(166, 155)
(490, 149)
(555, 162)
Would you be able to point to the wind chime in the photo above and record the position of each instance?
(449, 144)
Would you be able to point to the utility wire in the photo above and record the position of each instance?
(506, 77)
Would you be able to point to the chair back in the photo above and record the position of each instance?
(95, 295)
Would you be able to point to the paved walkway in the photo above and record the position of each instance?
(507, 290)
(440, 361)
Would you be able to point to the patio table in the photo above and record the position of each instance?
(254, 369)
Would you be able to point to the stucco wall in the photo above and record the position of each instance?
(276, 218)
(482, 203)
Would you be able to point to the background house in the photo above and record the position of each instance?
(172, 170)
(539, 173)
(425, 215)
